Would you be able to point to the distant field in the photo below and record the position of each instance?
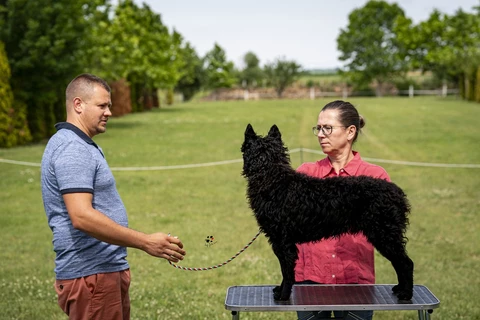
(196, 202)
(331, 79)
(320, 79)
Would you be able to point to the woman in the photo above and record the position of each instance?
(349, 258)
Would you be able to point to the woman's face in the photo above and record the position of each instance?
(341, 137)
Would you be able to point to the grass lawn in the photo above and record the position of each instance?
(328, 80)
(194, 203)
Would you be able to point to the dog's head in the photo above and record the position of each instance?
(261, 153)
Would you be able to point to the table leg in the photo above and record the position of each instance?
(421, 315)
(427, 314)
(235, 315)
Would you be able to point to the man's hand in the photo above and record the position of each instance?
(164, 246)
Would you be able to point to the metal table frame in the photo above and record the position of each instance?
(340, 297)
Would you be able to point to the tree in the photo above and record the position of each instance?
(193, 75)
(449, 46)
(145, 53)
(368, 45)
(252, 74)
(13, 123)
(219, 71)
(45, 43)
(281, 73)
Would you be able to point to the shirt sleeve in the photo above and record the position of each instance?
(374, 171)
(384, 175)
(75, 169)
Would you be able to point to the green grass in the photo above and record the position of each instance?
(197, 202)
(323, 80)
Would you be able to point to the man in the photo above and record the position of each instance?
(86, 214)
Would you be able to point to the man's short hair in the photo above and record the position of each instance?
(83, 83)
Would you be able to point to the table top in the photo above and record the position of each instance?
(328, 297)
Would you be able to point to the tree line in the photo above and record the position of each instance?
(381, 44)
(45, 43)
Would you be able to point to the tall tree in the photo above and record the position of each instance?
(193, 75)
(252, 74)
(368, 45)
(282, 73)
(144, 51)
(45, 42)
(447, 45)
(219, 71)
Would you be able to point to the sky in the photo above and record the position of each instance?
(302, 30)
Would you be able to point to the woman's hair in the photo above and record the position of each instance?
(347, 115)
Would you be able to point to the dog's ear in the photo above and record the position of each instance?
(249, 132)
(274, 132)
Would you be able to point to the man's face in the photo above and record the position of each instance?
(96, 111)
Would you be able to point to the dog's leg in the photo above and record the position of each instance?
(393, 249)
(404, 289)
(277, 291)
(403, 265)
(287, 256)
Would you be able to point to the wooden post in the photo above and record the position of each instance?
(444, 90)
(410, 91)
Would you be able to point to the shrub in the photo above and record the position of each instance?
(13, 115)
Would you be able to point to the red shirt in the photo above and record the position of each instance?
(349, 258)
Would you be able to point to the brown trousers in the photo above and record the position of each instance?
(99, 296)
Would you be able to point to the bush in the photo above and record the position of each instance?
(13, 115)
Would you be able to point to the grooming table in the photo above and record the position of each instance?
(329, 297)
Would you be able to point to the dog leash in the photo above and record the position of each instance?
(218, 265)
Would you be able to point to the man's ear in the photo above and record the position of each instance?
(274, 132)
(77, 105)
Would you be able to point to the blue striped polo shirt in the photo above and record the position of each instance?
(73, 163)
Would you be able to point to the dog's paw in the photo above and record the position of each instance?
(280, 294)
(279, 297)
(405, 295)
(396, 289)
(277, 294)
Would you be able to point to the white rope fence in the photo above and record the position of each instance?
(407, 163)
(218, 163)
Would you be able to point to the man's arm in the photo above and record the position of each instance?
(85, 218)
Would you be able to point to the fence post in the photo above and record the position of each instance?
(444, 90)
(312, 93)
(410, 91)
(345, 93)
(245, 94)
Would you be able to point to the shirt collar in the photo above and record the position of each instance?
(351, 168)
(77, 131)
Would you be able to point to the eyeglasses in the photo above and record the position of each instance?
(326, 129)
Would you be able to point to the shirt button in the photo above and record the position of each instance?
(333, 276)
(341, 170)
(333, 256)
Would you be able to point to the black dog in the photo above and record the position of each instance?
(291, 208)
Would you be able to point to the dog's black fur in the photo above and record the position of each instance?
(291, 208)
